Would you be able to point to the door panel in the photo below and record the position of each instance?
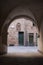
(21, 38)
(31, 39)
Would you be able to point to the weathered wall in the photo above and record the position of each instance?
(26, 27)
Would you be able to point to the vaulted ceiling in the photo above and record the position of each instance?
(6, 6)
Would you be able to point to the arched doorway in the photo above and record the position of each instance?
(16, 13)
(22, 33)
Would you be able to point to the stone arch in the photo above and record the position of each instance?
(14, 14)
(40, 45)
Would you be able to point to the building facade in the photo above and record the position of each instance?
(22, 32)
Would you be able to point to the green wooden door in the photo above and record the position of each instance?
(21, 38)
(31, 38)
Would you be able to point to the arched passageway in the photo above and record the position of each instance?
(22, 35)
(17, 12)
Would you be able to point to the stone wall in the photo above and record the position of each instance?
(26, 26)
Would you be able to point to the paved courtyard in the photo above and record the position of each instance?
(21, 49)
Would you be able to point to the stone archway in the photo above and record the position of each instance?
(17, 12)
(40, 45)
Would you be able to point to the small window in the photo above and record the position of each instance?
(33, 24)
(18, 27)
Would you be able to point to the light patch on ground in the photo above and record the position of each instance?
(21, 49)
